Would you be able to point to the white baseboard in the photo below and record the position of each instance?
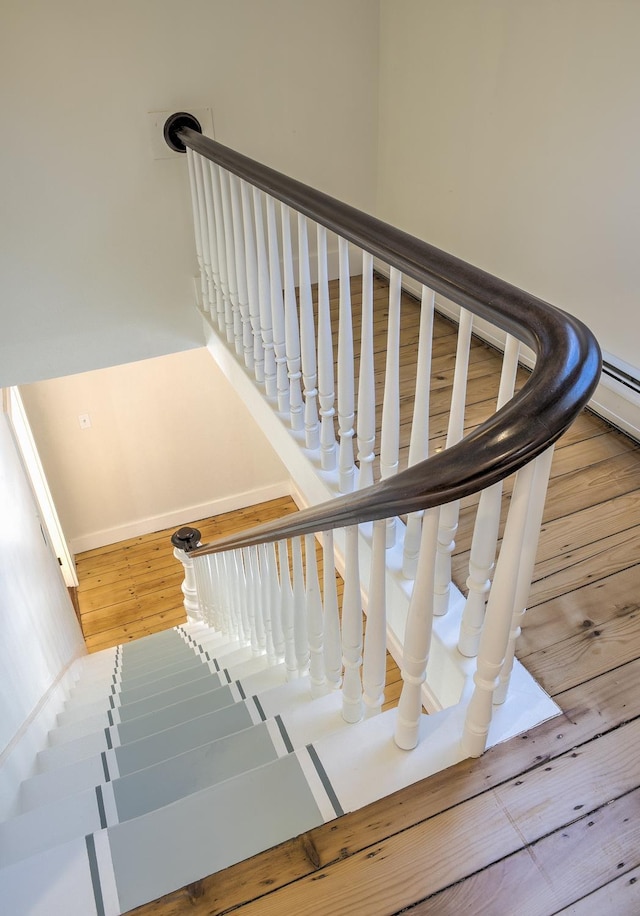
(186, 516)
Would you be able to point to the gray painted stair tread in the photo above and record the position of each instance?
(152, 674)
(138, 755)
(210, 830)
(172, 779)
(169, 716)
(169, 697)
(149, 688)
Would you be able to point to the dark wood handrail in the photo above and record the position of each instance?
(566, 371)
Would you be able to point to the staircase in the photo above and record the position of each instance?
(176, 756)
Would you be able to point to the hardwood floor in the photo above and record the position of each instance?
(547, 821)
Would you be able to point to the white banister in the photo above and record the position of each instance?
(390, 433)
(331, 639)
(277, 308)
(326, 381)
(266, 602)
(366, 424)
(241, 271)
(261, 640)
(449, 513)
(496, 631)
(264, 293)
(526, 565)
(485, 532)
(314, 618)
(419, 441)
(417, 638)
(232, 279)
(189, 590)
(307, 341)
(197, 228)
(211, 241)
(286, 596)
(224, 306)
(346, 405)
(251, 265)
(276, 602)
(352, 707)
(251, 592)
(299, 610)
(292, 326)
(374, 665)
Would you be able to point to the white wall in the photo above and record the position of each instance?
(170, 442)
(96, 248)
(40, 633)
(510, 136)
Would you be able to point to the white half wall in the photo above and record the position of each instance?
(170, 442)
(40, 633)
(508, 136)
(96, 244)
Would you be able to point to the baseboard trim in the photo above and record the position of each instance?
(186, 516)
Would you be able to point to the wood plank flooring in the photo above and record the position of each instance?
(548, 822)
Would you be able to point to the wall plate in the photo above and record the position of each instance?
(156, 121)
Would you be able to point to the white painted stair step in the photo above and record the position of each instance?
(140, 792)
(90, 771)
(121, 867)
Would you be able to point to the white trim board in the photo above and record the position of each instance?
(185, 516)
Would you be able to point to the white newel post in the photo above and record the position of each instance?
(183, 540)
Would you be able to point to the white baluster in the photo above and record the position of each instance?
(292, 330)
(276, 601)
(307, 341)
(251, 262)
(224, 307)
(261, 639)
(485, 531)
(366, 383)
(210, 242)
(331, 639)
(265, 592)
(277, 308)
(390, 432)
(229, 236)
(526, 565)
(326, 383)
(494, 640)
(314, 618)
(195, 206)
(449, 513)
(245, 628)
(251, 599)
(241, 271)
(419, 442)
(264, 289)
(346, 409)
(286, 594)
(200, 169)
(417, 640)
(299, 610)
(374, 666)
(352, 708)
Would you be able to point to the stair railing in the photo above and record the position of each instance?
(268, 314)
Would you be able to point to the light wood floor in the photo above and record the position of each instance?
(546, 821)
